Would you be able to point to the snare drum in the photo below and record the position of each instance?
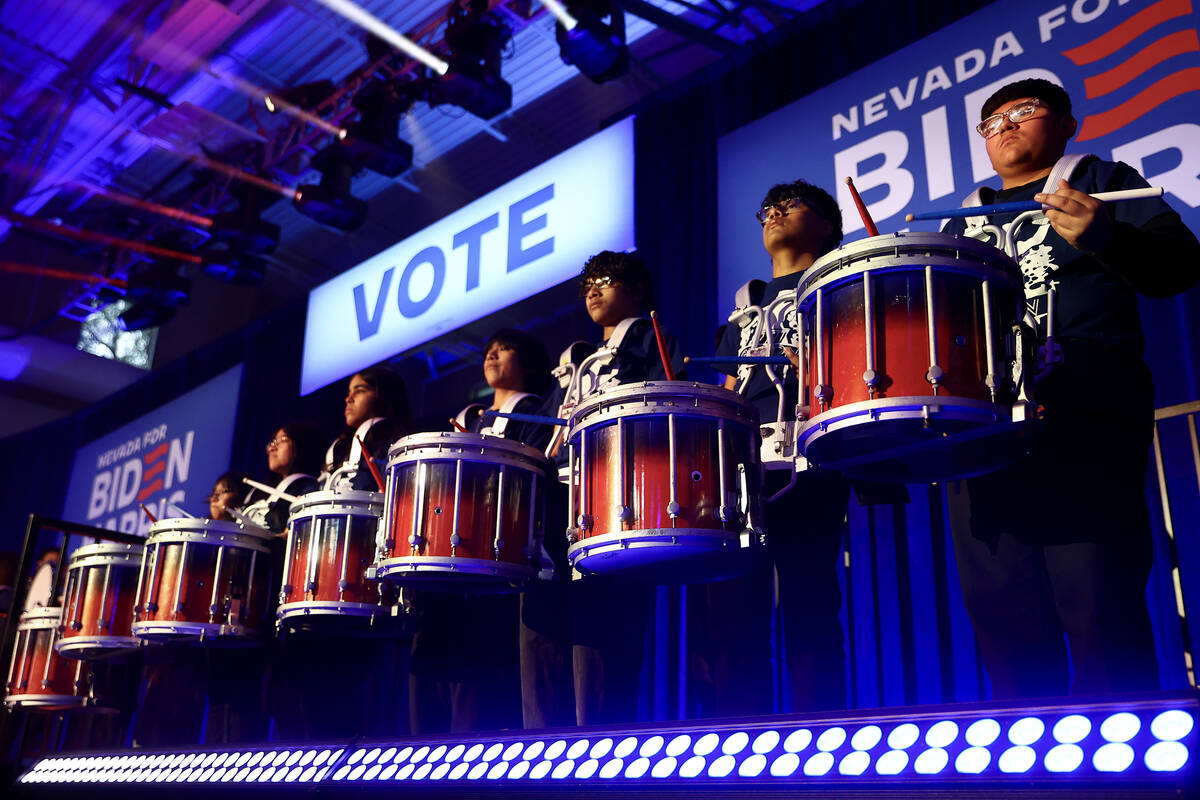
(463, 510)
(203, 580)
(909, 340)
(38, 677)
(664, 483)
(330, 545)
(101, 583)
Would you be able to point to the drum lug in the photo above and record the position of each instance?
(287, 589)
(151, 607)
(455, 540)
(823, 393)
(311, 586)
(388, 544)
(934, 375)
(372, 574)
(343, 584)
(572, 535)
(673, 509)
(727, 514)
(77, 625)
(624, 513)
(585, 521)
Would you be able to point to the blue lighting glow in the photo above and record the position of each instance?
(305, 776)
(692, 767)
(1166, 757)
(1026, 731)
(1113, 757)
(753, 766)
(855, 763)
(578, 748)
(455, 753)
(735, 743)
(765, 742)
(553, 751)
(601, 748)
(785, 766)
(509, 754)
(982, 733)
(494, 751)
(342, 772)
(499, 768)
(798, 740)
(462, 767)
(1017, 759)
(437, 753)
(942, 734)
(1173, 725)
(973, 760)
(439, 771)
(1064, 758)
(477, 749)
(627, 745)
(612, 768)
(516, 773)
(587, 769)
(1072, 729)
(386, 775)
(830, 740)
(679, 745)
(722, 766)
(531, 752)
(422, 771)
(892, 762)
(866, 737)
(818, 765)
(651, 746)
(540, 769)
(931, 762)
(419, 755)
(1120, 727)
(903, 736)
(706, 744)
(665, 768)
(404, 771)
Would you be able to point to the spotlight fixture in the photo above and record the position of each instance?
(330, 201)
(240, 236)
(155, 290)
(596, 47)
(371, 142)
(476, 37)
(304, 96)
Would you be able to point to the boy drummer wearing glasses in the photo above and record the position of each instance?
(1060, 542)
(800, 223)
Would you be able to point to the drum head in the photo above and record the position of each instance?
(41, 589)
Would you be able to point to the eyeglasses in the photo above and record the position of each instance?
(278, 441)
(217, 493)
(603, 282)
(1016, 115)
(784, 207)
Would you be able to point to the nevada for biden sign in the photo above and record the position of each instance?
(527, 236)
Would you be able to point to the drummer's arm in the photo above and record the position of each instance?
(731, 382)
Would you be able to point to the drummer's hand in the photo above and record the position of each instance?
(793, 357)
(1078, 217)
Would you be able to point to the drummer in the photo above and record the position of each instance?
(608, 616)
(800, 223)
(294, 459)
(377, 413)
(229, 491)
(464, 669)
(1060, 543)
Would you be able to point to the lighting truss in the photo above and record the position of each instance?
(1132, 743)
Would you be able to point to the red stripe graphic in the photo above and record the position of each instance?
(1153, 96)
(1141, 62)
(1127, 31)
(150, 473)
(149, 490)
(155, 453)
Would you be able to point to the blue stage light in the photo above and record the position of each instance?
(499, 768)
(753, 766)
(692, 767)
(785, 766)
(373, 772)
(561, 770)
(1120, 727)
(931, 762)
(404, 771)
(308, 774)
(269, 773)
(554, 750)
(706, 744)
(722, 766)
(612, 768)
(866, 737)
(510, 753)
(637, 768)
(422, 771)
(531, 752)
(387, 773)
(1166, 757)
(455, 753)
(1072, 729)
(942, 734)
(1063, 758)
(601, 748)
(516, 773)
(818, 765)
(437, 753)
(294, 758)
(798, 740)
(587, 769)
(982, 732)
(1017, 759)
(419, 755)
(855, 763)
(679, 745)
(892, 762)
(903, 736)
(765, 742)
(461, 768)
(831, 739)
(626, 746)
(735, 743)
(539, 770)
(1113, 757)
(1026, 731)
(1173, 725)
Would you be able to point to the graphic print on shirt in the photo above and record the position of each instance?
(1036, 259)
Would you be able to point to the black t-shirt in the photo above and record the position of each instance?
(760, 391)
(1151, 252)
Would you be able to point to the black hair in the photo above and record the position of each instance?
(816, 198)
(233, 480)
(628, 269)
(1053, 96)
(391, 396)
(308, 446)
(531, 356)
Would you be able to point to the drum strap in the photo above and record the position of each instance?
(499, 424)
(355, 447)
(1063, 169)
(749, 293)
(461, 417)
(605, 373)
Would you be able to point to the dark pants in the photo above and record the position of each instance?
(1059, 544)
(804, 529)
(547, 672)
(608, 631)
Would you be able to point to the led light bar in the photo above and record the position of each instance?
(1135, 741)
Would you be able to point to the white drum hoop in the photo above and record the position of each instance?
(168, 630)
(328, 608)
(458, 446)
(195, 527)
(655, 398)
(438, 566)
(102, 553)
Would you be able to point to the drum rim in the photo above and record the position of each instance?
(716, 394)
(105, 549)
(203, 525)
(434, 439)
(213, 629)
(898, 408)
(333, 497)
(450, 565)
(66, 642)
(214, 539)
(331, 608)
(44, 699)
(46, 614)
(129, 559)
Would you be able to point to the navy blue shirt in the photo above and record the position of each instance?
(530, 433)
(760, 391)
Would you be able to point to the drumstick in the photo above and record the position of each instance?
(537, 418)
(262, 487)
(457, 426)
(240, 517)
(146, 511)
(781, 361)
(662, 347)
(180, 511)
(371, 463)
(862, 209)
(1031, 205)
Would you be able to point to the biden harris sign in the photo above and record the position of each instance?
(532, 233)
(903, 128)
(171, 456)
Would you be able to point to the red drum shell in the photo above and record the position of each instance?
(331, 545)
(38, 676)
(181, 560)
(621, 467)
(903, 407)
(98, 613)
(450, 496)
